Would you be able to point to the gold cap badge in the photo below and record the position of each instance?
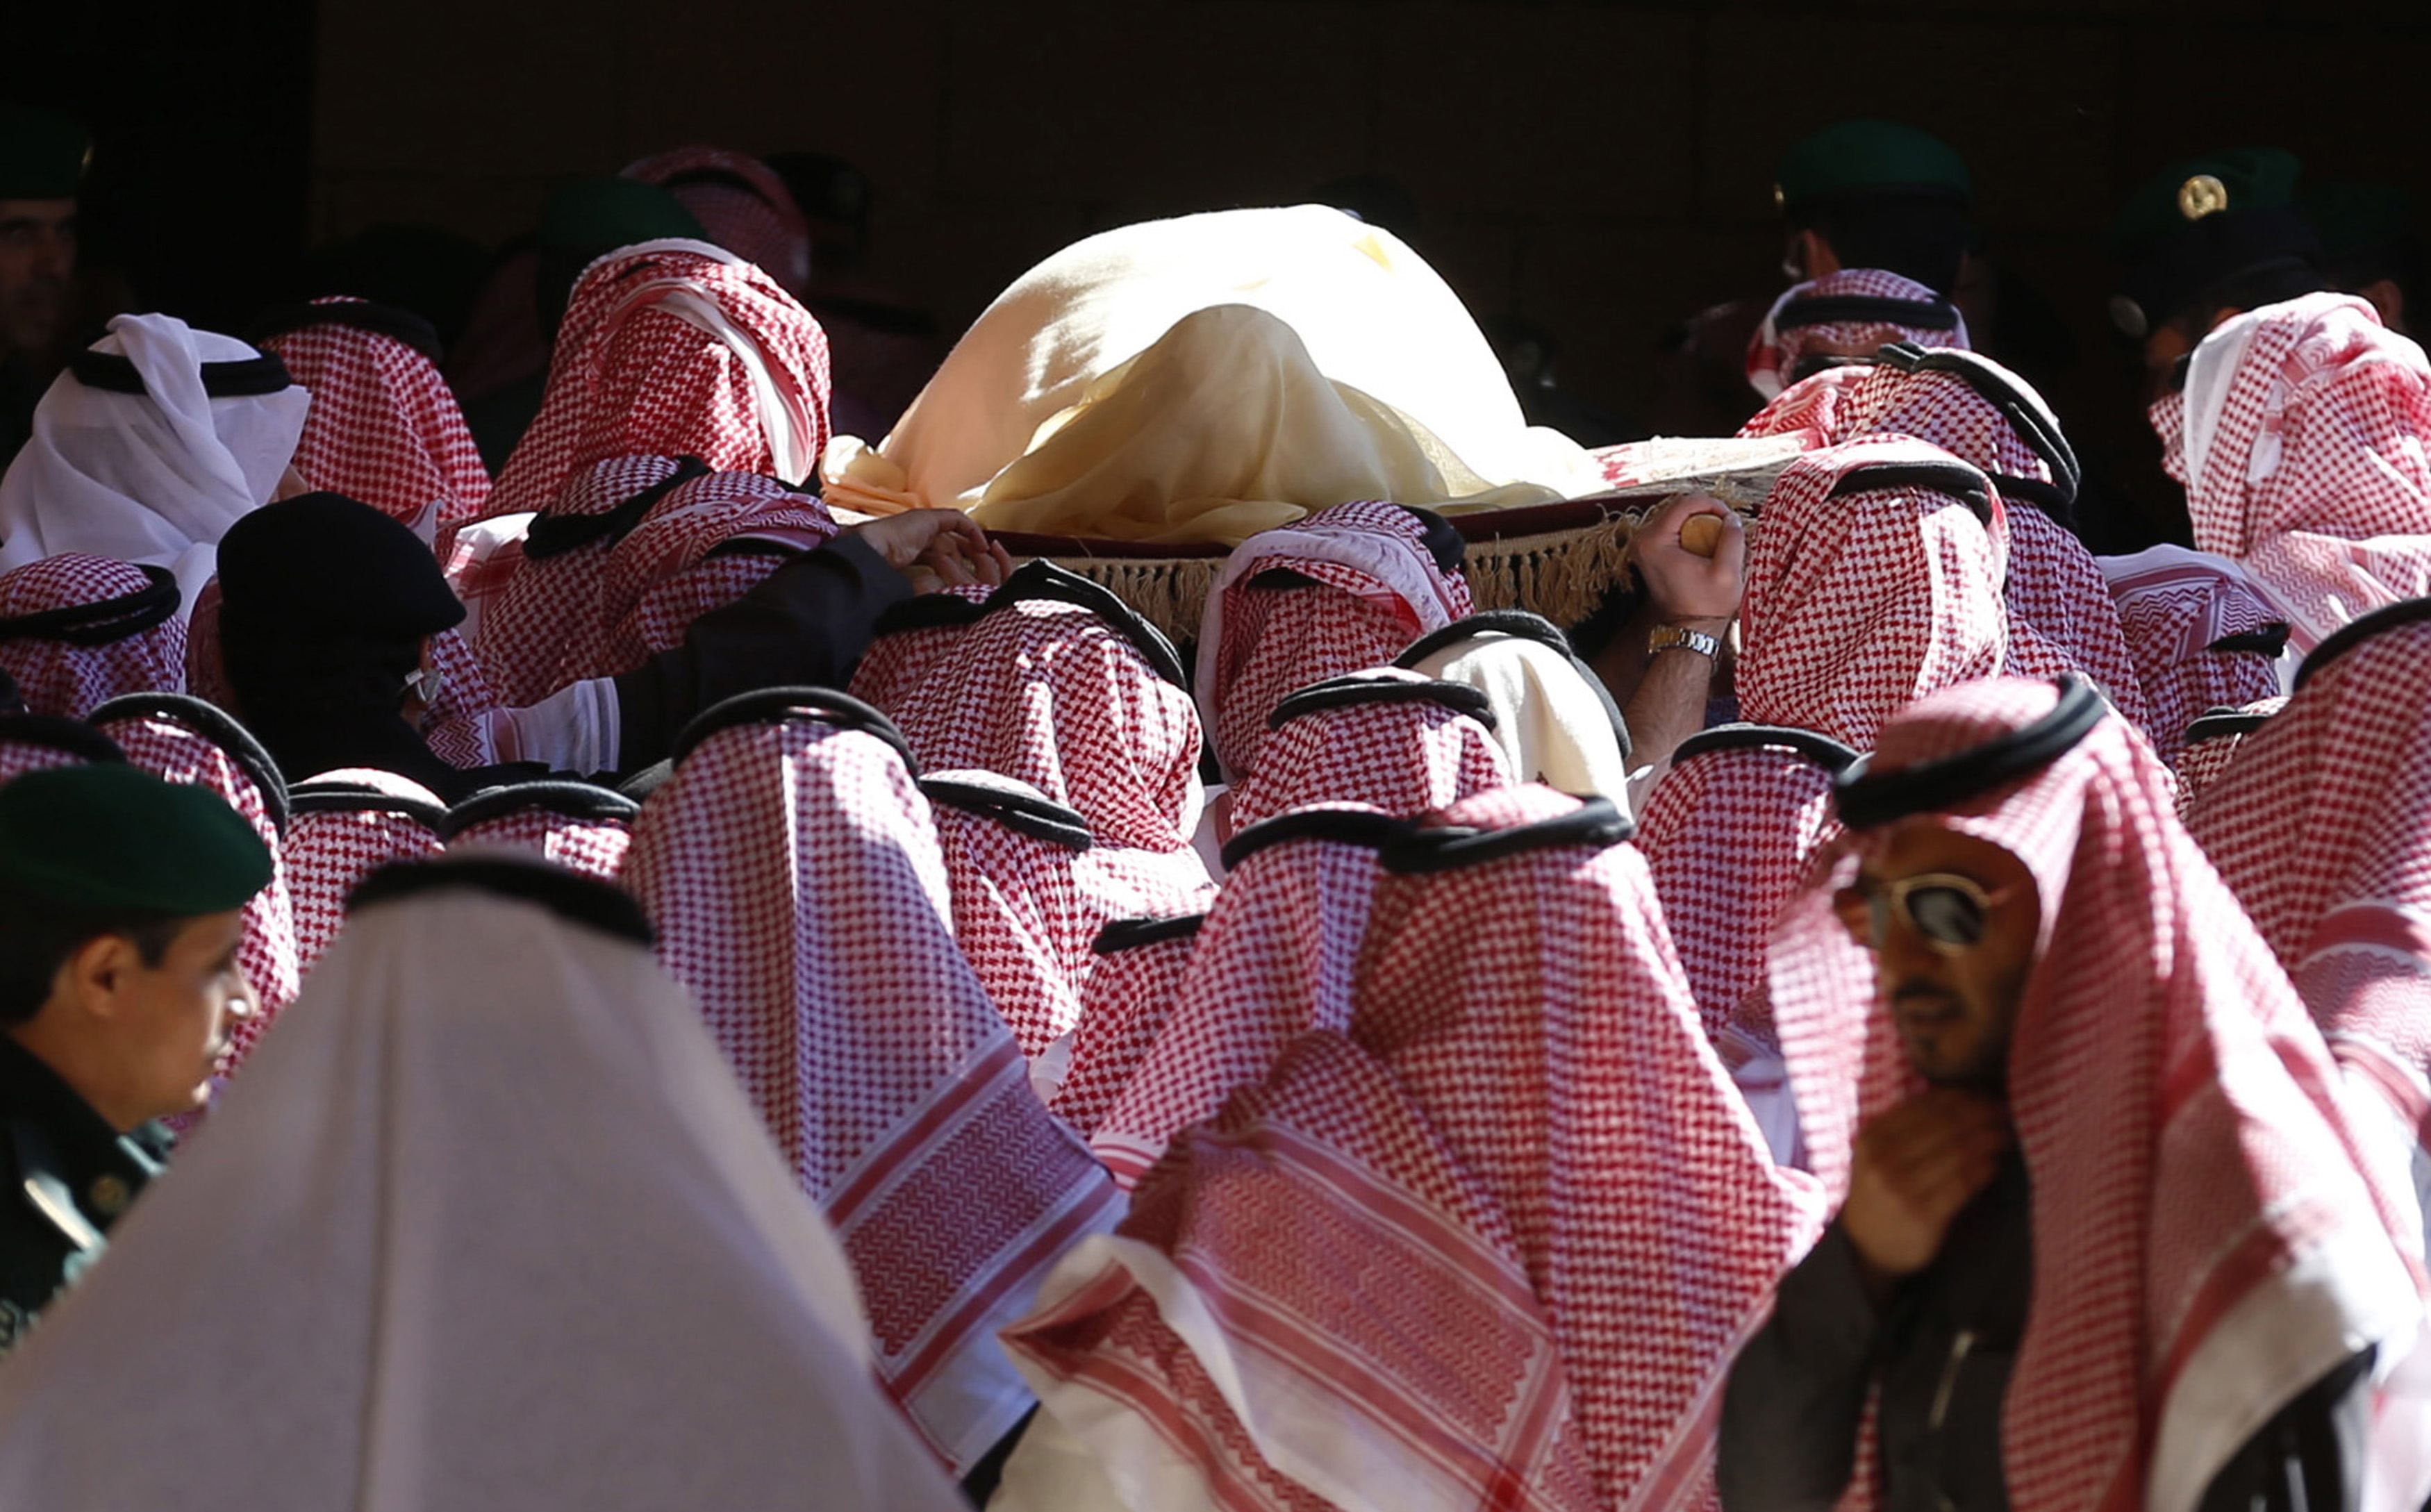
(2202, 195)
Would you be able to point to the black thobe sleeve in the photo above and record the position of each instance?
(2308, 1458)
(805, 625)
(1798, 1391)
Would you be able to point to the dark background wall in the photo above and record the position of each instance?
(1602, 169)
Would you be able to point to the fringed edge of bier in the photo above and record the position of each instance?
(1563, 575)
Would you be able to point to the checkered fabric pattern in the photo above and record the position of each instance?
(328, 853)
(672, 570)
(2174, 608)
(794, 877)
(2168, 416)
(2317, 476)
(594, 846)
(1517, 1235)
(899, 661)
(1774, 352)
(1018, 915)
(1728, 836)
(22, 750)
(55, 676)
(2178, 1116)
(1814, 408)
(2200, 766)
(2053, 585)
(1124, 1002)
(206, 676)
(1858, 605)
(456, 724)
(1274, 960)
(1376, 590)
(1405, 758)
(545, 624)
(671, 348)
(2317, 828)
(177, 752)
(1047, 693)
(384, 426)
(752, 215)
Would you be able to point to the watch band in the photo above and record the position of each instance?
(1676, 637)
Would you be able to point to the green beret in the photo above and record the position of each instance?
(2356, 216)
(593, 216)
(42, 155)
(1855, 158)
(114, 836)
(2218, 183)
(2202, 222)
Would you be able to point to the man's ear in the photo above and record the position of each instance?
(2389, 297)
(95, 974)
(1821, 260)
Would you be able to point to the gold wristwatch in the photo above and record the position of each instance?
(1679, 637)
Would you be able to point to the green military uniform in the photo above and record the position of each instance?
(69, 1176)
(94, 844)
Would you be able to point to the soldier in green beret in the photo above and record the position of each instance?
(41, 167)
(1877, 194)
(2207, 237)
(119, 994)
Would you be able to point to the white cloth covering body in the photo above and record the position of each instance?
(1372, 315)
(490, 1226)
(155, 478)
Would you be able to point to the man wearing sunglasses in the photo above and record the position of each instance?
(2107, 1237)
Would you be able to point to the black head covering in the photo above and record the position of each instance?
(324, 604)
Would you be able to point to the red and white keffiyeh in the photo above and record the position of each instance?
(1124, 1002)
(1062, 696)
(2211, 1236)
(205, 674)
(2202, 633)
(2307, 458)
(2317, 829)
(674, 348)
(384, 426)
(1814, 410)
(740, 201)
(1849, 313)
(794, 874)
(1274, 960)
(186, 740)
(2053, 586)
(909, 639)
(544, 626)
(577, 825)
(456, 722)
(1385, 738)
(2211, 744)
(701, 548)
(77, 631)
(1861, 600)
(1728, 834)
(1437, 1259)
(346, 825)
(1376, 588)
(35, 743)
(1017, 911)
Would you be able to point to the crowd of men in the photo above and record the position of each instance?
(682, 972)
